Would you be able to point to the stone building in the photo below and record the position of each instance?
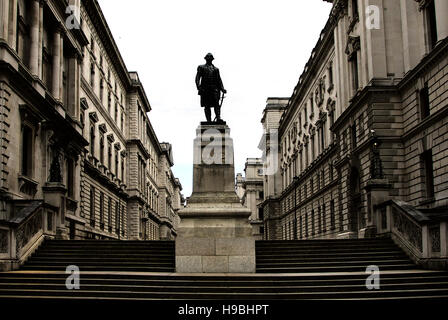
(70, 129)
(365, 128)
(250, 190)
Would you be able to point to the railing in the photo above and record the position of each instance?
(422, 235)
(20, 235)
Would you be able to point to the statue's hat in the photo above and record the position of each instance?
(209, 55)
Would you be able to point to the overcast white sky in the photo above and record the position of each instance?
(260, 47)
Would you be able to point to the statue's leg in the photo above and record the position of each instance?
(208, 114)
(218, 113)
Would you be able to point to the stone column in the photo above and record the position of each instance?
(442, 18)
(34, 37)
(56, 76)
(41, 39)
(12, 26)
(4, 15)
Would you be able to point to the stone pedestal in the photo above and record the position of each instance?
(214, 234)
(54, 194)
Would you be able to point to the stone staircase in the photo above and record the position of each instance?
(330, 256)
(301, 270)
(104, 255)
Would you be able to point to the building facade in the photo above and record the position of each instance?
(366, 124)
(250, 190)
(79, 156)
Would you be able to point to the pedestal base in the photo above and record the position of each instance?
(215, 240)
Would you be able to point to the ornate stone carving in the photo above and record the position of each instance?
(434, 235)
(55, 169)
(27, 230)
(408, 229)
(4, 241)
(353, 45)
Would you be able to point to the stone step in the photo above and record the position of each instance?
(164, 294)
(248, 288)
(223, 282)
(323, 268)
(288, 259)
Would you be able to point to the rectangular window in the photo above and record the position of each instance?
(122, 217)
(27, 151)
(355, 11)
(70, 177)
(332, 215)
(306, 224)
(354, 69)
(330, 76)
(429, 173)
(101, 210)
(354, 136)
(117, 218)
(313, 230)
(324, 218)
(319, 217)
(431, 25)
(92, 206)
(424, 104)
(109, 214)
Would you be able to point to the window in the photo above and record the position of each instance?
(319, 218)
(428, 173)
(27, 151)
(102, 149)
(301, 226)
(70, 178)
(92, 206)
(354, 69)
(330, 76)
(423, 95)
(116, 112)
(313, 230)
(260, 213)
(431, 25)
(109, 101)
(109, 214)
(355, 11)
(332, 215)
(92, 75)
(324, 218)
(312, 185)
(306, 224)
(318, 181)
(101, 89)
(117, 218)
(109, 156)
(354, 136)
(116, 163)
(122, 170)
(122, 120)
(92, 140)
(330, 169)
(101, 210)
(122, 217)
(312, 149)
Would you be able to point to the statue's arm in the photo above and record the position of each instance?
(221, 85)
(198, 78)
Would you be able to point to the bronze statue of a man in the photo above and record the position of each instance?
(209, 84)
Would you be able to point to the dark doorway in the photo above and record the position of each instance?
(355, 216)
(72, 230)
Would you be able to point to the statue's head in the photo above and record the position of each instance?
(209, 57)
